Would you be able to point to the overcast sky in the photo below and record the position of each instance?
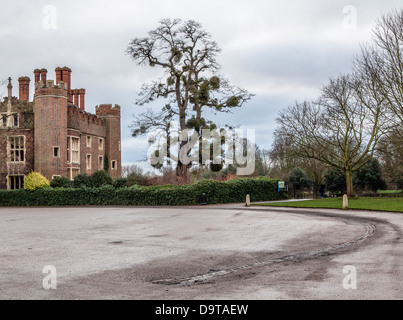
(280, 51)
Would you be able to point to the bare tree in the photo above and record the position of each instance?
(383, 60)
(191, 80)
(341, 128)
(131, 169)
(286, 157)
(390, 155)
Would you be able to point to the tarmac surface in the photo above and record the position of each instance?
(210, 252)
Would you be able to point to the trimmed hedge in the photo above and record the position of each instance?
(260, 189)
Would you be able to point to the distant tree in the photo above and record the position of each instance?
(335, 180)
(299, 178)
(131, 168)
(370, 176)
(390, 155)
(285, 156)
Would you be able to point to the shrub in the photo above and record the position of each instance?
(99, 178)
(119, 183)
(260, 189)
(137, 179)
(61, 182)
(35, 181)
(81, 180)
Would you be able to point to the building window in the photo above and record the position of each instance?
(101, 144)
(88, 162)
(17, 148)
(68, 150)
(73, 150)
(56, 152)
(15, 182)
(15, 120)
(114, 165)
(100, 163)
(72, 173)
(3, 118)
(89, 142)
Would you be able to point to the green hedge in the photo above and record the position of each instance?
(260, 189)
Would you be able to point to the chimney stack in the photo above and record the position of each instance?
(58, 75)
(66, 77)
(37, 74)
(69, 83)
(24, 88)
(82, 99)
(75, 96)
(44, 73)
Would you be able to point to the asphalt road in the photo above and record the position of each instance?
(214, 252)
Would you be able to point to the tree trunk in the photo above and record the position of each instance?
(181, 168)
(349, 182)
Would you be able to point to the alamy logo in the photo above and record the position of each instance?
(218, 146)
(50, 280)
(49, 21)
(350, 20)
(350, 281)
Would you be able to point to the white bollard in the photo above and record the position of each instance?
(248, 200)
(345, 202)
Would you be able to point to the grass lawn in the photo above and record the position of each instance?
(379, 204)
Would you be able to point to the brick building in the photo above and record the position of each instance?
(53, 134)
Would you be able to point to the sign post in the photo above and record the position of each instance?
(281, 186)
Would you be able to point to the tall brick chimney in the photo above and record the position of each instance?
(44, 73)
(75, 96)
(69, 83)
(66, 77)
(24, 88)
(82, 99)
(58, 75)
(37, 73)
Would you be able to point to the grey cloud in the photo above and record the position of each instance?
(282, 51)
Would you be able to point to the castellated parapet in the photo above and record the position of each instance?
(50, 84)
(108, 110)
